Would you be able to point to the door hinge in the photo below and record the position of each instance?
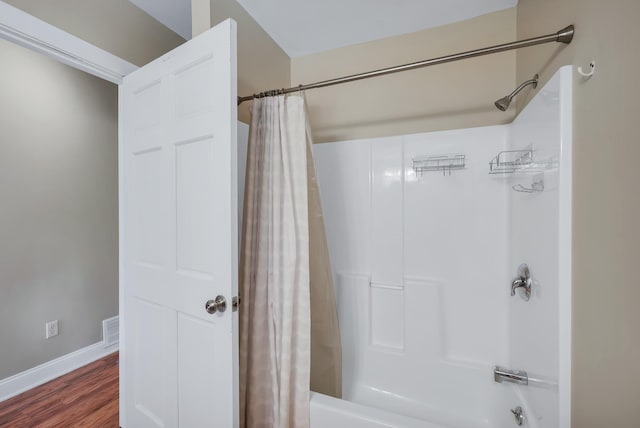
(235, 302)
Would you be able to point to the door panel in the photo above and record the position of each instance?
(195, 209)
(193, 388)
(179, 236)
(149, 358)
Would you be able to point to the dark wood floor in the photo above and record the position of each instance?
(87, 397)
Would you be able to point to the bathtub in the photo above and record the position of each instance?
(332, 412)
(486, 407)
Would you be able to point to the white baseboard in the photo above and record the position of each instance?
(43, 373)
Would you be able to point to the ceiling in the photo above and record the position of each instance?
(306, 27)
(175, 14)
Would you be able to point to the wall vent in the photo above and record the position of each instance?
(110, 331)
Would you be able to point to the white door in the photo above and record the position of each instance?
(178, 219)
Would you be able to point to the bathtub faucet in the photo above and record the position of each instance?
(501, 374)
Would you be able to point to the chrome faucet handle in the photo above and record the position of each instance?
(518, 415)
(517, 283)
(522, 283)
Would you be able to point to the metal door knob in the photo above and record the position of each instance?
(217, 305)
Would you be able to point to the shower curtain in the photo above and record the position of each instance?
(288, 308)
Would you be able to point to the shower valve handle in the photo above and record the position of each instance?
(522, 283)
(517, 283)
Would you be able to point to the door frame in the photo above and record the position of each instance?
(32, 33)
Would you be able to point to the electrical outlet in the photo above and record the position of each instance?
(51, 329)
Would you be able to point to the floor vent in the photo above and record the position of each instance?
(110, 331)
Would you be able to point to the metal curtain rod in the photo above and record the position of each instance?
(563, 36)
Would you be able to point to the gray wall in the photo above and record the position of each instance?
(58, 216)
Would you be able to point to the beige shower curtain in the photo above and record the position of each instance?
(281, 272)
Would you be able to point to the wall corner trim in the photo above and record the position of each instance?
(28, 379)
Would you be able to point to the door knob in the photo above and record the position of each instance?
(217, 305)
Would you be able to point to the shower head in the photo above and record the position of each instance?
(503, 103)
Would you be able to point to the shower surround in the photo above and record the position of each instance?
(423, 264)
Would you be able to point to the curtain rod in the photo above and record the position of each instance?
(563, 36)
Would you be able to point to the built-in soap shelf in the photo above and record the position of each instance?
(444, 163)
(510, 161)
(522, 161)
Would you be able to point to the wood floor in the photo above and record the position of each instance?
(87, 397)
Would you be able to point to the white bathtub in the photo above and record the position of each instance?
(486, 407)
(331, 412)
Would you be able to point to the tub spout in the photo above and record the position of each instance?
(501, 374)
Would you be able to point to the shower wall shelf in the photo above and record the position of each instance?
(442, 163)
(510, 161)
